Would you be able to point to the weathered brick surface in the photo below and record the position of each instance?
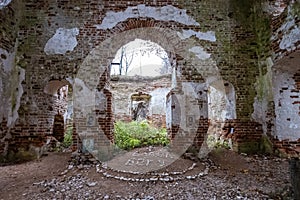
(40, 20)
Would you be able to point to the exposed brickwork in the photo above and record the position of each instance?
(40, 20)
(289, 147)
(58, 127)
(2, 135)
(106, 119)
(297, 83)
(9, 26)
(276, 24)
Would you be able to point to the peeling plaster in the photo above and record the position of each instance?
(13, 112)
(288, 25)
(199, 52)
(200, 90)
(261, 103)
(287, 123)
(63, 40)
(291, 33)
(81, 92)
(165, 13)
(7, 61)
(158, 101)
(208, 36)
(188, 105)
(230, 101)
(11, 88)
(289, 40)
(101, 101)
(217, 108)
(4, 3)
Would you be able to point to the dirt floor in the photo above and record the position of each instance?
(224, 175)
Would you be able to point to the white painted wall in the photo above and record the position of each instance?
(165, 13)
(290, 30)
(287, 122)
(4, 3)
(200, 52)
(230, 101)
(11, 90)
(62, 41)
(158, 101)
(208, 36)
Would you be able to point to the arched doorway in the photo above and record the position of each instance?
(140, 78)
(192, 59)
(60, 92)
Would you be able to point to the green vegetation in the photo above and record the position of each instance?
(266, 145)
(138, 134)
(217, 143)
(68, 137)
(254, 47)
(295, 9)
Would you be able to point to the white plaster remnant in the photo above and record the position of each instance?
(15, 100)
(4, 3)
(158, 101)
(263, 86)
(7, 60)
(230, 101)
(208, 36)
(291, 32)
(165, 13)
(63, 40)
(169, 110)
(81, 92)
(100, 101)
(70, 80)
(200, 90)
(287, 113)
(289, 24)
(188, 105)
(288, 41)
(199, 52)
(217, 108)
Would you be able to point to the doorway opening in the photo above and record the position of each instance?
(61, 109)
(140, 79)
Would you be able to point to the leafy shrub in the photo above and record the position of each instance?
(213, 142)
(68, 137)
(137, 134)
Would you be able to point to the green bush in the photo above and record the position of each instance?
(217, 143)
(68, 137)
(137, 134)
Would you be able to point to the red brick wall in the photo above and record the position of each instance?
(41, 19)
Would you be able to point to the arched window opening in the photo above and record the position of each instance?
(141, 58)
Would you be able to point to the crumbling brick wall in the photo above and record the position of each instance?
(57, 40)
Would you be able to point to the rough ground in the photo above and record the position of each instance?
(230, 176)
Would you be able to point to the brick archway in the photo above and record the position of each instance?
(97, 62)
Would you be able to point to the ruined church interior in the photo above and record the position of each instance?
(152, 99)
